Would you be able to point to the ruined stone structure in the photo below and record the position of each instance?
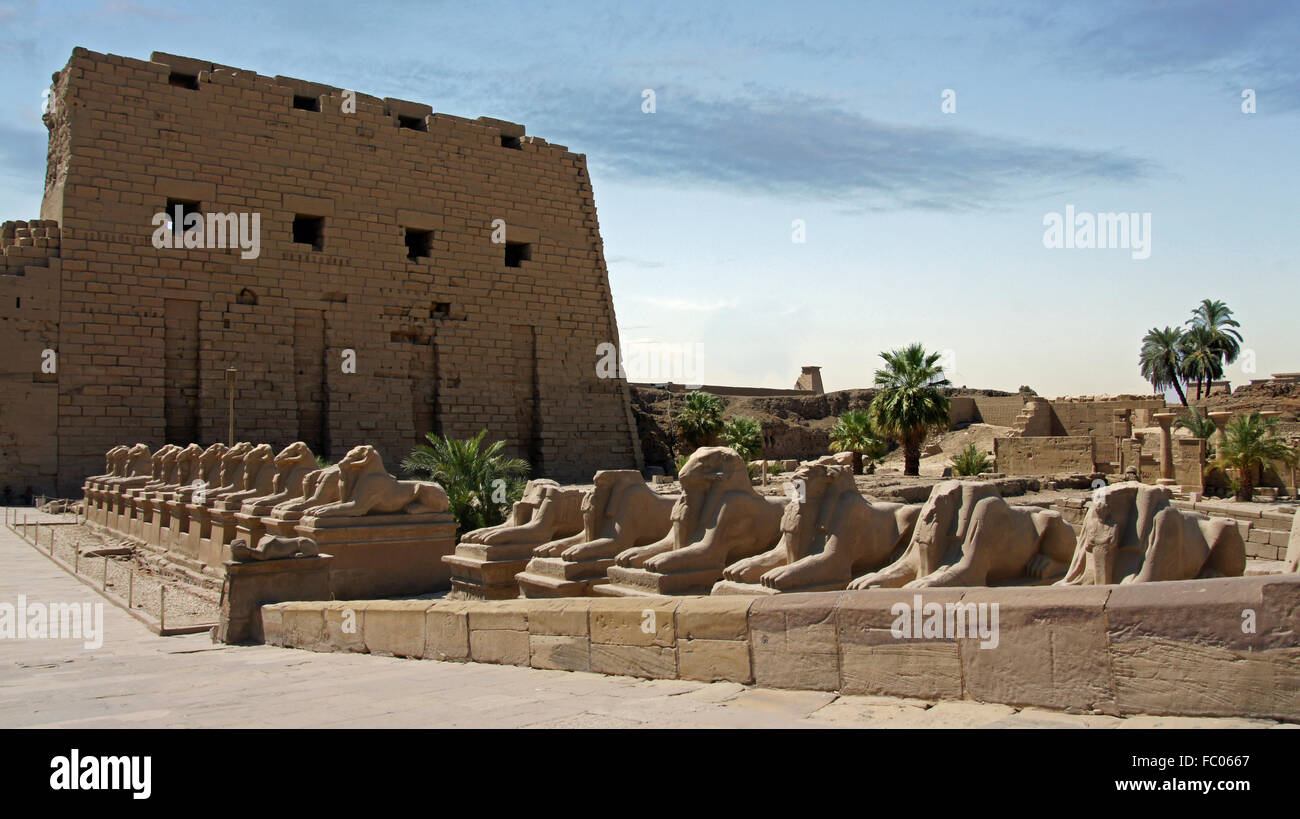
(383, 301)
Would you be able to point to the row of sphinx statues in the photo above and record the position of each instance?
(255, 481)
(719, 531)
(824, 535)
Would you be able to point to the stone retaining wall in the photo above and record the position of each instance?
(1225, 647)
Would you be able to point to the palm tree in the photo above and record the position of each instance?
(1201, 426)
(480, 482)
(1216, 317)
(908, 401)
(1250, 443)
(1160, 360)
(700, 418)
(1202, 362)
(745, 436)
(970, 461)
(853, 433)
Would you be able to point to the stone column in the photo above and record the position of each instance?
(1220, 419)
(1164, 419)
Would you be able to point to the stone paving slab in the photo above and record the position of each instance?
(137, 679)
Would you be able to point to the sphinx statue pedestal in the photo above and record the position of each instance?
(482, 572)
(154, 520)
(279, 523)
(200, 526)
(92, 503)
(223, 528)
(178, 523)
(629, 582)
(249, 586)
(380, 555)
(557, 577)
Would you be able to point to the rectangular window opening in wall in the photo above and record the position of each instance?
(511, 142)
(306, 103)
(182, 80)
(309, 230)
(414, 123)
(441, 309)
(517, 253)
(419, 244)
(186, 208)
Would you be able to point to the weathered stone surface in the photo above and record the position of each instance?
(345, 625)
(1161, 676)
(713, 618)
(633, 622)
(634, 660)
(1052, 650)
(302, 625)
(272, 625)
(447, 632)
(561, 652)
(714, 661)
(794, 641)
(396, 627)
(558, 618)
(503, 646)
(875, 661)
(1246, 613)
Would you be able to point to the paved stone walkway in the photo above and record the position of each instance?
(139, 679)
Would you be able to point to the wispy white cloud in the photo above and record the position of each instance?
(688, 305)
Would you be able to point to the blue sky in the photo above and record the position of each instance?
(920, 225)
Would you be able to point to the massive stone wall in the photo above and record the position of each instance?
(29, 320)
(450, 330)
(999, 410)
(1055, 455)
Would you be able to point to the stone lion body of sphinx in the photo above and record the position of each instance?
(718, 518)
(620, 512)
(547, 510)
(366, 488)
(968, 535)
(829, 534)
(290, 468)
(1132, 533)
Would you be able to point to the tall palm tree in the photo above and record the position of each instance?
(1250, 443)
(745, 436)
(908, 401)
(853, 433)
(1202, 362)
(700, 418)
(481, 483)
(1161, 358)
(1225, 338)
